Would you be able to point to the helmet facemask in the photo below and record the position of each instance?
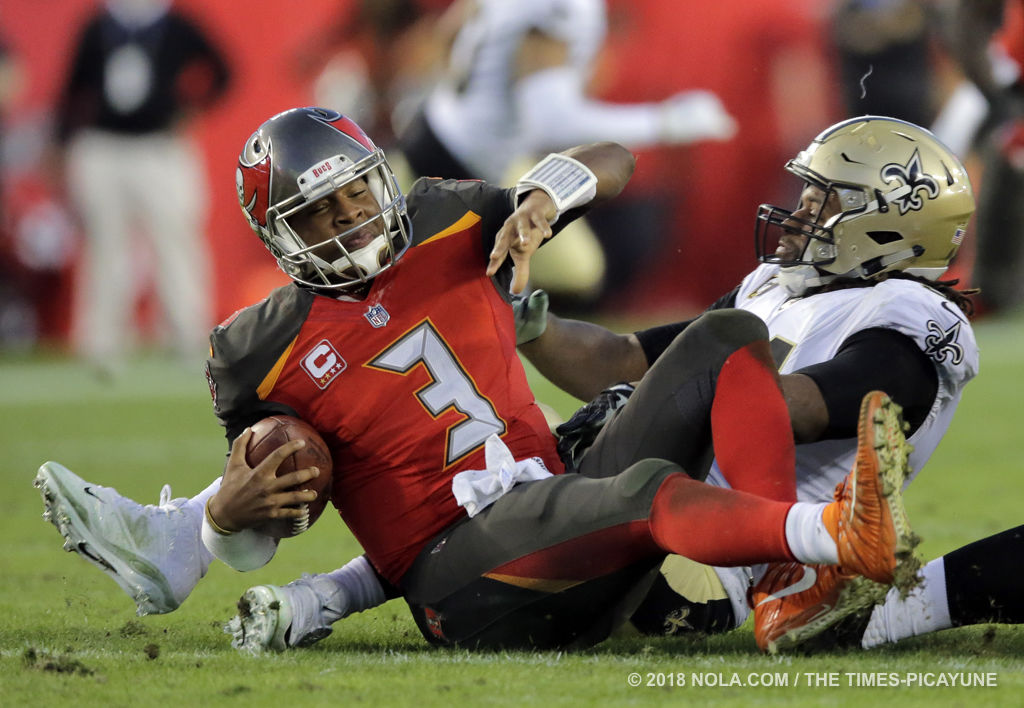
(777, 228)
(305, 156)
(775, 223)
(330, 263)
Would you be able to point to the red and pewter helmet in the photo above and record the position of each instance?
(299, 157)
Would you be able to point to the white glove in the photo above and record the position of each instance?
(531, 315)
(691, 116)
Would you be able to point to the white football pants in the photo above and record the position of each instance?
(153, 186)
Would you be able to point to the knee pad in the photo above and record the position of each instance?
(718, 333)
(642, 479)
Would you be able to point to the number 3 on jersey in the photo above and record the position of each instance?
(450, 387)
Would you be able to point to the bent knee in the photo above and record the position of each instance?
(717, 334)
(641, 480)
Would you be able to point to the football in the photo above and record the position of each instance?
(268, 435)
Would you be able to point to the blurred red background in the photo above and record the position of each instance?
(766, 59)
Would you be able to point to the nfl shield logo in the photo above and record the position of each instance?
(377, 316)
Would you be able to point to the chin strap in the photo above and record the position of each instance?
(798, 279)
(877, 265)
(366, 259)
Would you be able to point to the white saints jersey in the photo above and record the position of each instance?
(810, 330)
(473, 112)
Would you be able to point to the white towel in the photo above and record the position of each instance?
(478, 489)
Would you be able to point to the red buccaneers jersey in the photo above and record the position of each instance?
(406, 385)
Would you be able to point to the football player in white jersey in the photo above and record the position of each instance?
(849, 288)
(516, 86)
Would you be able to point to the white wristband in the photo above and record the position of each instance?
(242, 550)
(566, 180)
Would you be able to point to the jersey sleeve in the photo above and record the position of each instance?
(437, 205)
(935, 324)
(245, 349)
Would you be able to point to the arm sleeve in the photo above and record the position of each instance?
(556, 112)
(874, 359)
(656, 339)
(243, 550)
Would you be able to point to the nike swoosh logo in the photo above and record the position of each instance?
(88, 490)
(805, 583)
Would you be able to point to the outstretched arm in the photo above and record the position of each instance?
(601, 171)
(583, 358)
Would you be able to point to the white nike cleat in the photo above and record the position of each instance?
(155, 553)
(298, 614)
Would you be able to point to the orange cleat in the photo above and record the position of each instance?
(868, 520)
(794, 603)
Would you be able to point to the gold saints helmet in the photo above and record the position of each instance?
(905, 201)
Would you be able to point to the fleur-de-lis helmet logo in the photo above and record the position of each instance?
(914, 176)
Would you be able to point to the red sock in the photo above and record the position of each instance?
(718, 526)
(750, 426)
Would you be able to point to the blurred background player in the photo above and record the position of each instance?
(884, 58)
(374, 59)
(140, 71)
(17, 319)
(516, 86)
(985, 115)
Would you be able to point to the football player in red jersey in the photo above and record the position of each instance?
(412, 377)
(397, 343)
(582, 358)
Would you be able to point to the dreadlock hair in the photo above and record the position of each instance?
(946, 288)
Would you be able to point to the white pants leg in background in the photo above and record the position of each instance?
(153, 186)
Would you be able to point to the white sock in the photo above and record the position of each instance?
(809, 540)
(360, 589)
(924, 610)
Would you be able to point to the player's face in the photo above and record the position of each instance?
(343, 209)
(815, 207)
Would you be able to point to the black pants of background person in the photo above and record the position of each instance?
(999, 233)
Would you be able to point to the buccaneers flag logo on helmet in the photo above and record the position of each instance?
(252, 179)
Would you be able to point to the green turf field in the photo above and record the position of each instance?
(68, 636)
